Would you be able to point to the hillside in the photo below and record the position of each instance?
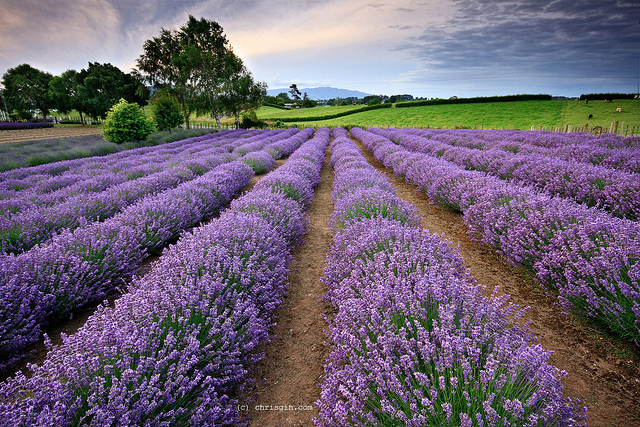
(492, 115)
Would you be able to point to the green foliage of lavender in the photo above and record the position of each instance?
(415, 342)
(586, 253)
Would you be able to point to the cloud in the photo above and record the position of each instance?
(562, 40)
(374, 46)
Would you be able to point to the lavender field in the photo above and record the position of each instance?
(412, 338)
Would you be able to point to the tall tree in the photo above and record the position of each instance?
(65, 94)
(295, 92)
(308, 102)
(242, 93)
(216, 72)
(27, 88)
(186, 60)
(103, 85)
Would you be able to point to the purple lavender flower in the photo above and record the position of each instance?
(415, 341)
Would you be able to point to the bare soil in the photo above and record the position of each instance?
(286, 386)
(18, 135)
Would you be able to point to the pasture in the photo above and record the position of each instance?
(521, 115)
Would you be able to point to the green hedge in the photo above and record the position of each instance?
(477, 100)
(600, 96)
(281, 107)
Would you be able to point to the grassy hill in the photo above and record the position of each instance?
(491, 115)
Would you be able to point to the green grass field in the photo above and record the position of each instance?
(549, 115)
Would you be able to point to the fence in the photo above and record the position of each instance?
(615, 127)
(76, 120)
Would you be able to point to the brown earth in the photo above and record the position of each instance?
(46, 133)
(286, 386)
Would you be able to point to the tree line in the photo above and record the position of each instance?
(193, 66)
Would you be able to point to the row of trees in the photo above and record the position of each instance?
(197, 66)
(297, 98)
(194, 65)
(91, 91)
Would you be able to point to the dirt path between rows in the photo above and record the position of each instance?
(19, 135)
(599, 374)
(286, 388)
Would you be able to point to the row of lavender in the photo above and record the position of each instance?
(613, 190)
(95, 174)
(588, 255)
(414, 340)
(84, 265)
(608, 150)
(37, 224)
(53, 176)
(176, 349)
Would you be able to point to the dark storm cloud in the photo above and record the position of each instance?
(589, 39)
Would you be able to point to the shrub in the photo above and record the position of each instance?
(167, 112)
(250, 120)
(126, 122)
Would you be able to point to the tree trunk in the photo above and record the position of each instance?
(186, 115)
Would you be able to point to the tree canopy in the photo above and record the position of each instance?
(197, 64)
(100, 86)
(27, 89)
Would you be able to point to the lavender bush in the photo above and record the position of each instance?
(614, 190)
(24, 125)
(83, 265)
(260, 161)
(608, 150)
(38, 223)
(27, 177)
(414, 340)
(588, 255)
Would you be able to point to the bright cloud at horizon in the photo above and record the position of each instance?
(432, 48)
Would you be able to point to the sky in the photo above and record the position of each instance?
(426, 48)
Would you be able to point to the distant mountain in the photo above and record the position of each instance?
(318, 93)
